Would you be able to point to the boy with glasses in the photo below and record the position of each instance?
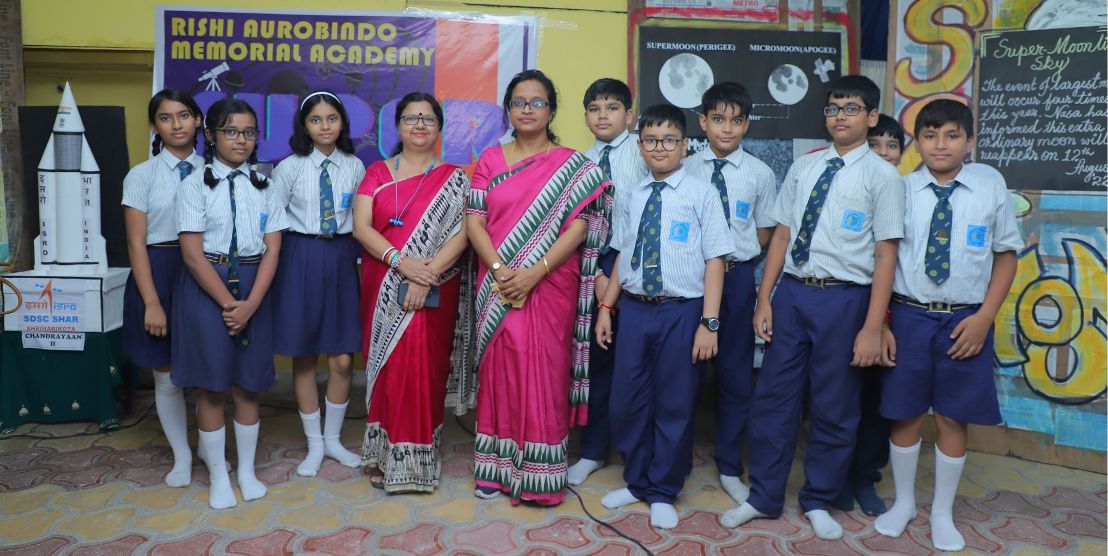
(671, 238)
(840, 215)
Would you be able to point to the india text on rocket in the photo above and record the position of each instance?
(69, 198)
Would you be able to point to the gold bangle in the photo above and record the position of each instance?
(547, 265)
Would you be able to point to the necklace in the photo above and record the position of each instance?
(397, 211)
(512, 154)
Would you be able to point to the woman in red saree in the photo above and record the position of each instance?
(409, 216)
(537, 217)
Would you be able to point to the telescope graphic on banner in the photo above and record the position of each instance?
(69, 240)
(212, 76)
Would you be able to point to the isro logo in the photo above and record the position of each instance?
(45, 300)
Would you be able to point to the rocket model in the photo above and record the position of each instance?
(69, 240)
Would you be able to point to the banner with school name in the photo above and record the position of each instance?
(369, 59)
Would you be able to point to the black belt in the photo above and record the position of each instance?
(656, 300)
(317, 236)
(173, 243)
(820, 282)
(728, 266)
(220, 258)
(934, 306)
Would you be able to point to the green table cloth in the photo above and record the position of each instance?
(50, 386)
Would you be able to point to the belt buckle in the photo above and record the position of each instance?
(325, 236)
(814, 282)
(939, 307)
(224, 259)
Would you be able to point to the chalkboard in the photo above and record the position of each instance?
(786, 72)
(1042, 104)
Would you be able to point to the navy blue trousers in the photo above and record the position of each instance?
(598, 433)
(872, 452)
(734, 366)
(657, 383)
(813, 343)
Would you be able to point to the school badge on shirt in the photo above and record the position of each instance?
(679, 231)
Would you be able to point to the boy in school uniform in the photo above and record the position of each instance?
(840, 214)
(671, 238)
(607, 114)
(746, 188)
(955, 267)
(871, 455)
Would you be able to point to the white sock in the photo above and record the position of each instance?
(246, 442)
(825, 527)
(220, 495)
(201, 451)
(310, 466)
(734, 488)
(948, 472)
(170, 401)
(618, 498)
(332, 443)
(740, 515)
(663, 516)
(578, 472)
(903, 461)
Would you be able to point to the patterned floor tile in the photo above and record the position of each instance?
(421, 540)
(490, 537)
(122, 545)
(685, 548)
(273, 543)
(45, 547)
(754, 544)
(565, 532)
(98, 526)
(196, 544)
(351, 541)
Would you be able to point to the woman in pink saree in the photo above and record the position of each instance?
(537, 217)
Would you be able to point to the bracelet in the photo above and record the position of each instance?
(395, 259)
(606, 306)
(385, 255)
(547, 265)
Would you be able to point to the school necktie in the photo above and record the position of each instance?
(721, 185)
(937, 259)
(233, 257)
(184, 168)
(327, 224)
(648, 245)
(605, 163)
(803, 242)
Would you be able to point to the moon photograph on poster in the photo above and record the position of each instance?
(684, 78)
(788, 84)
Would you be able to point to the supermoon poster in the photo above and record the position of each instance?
(786, 72)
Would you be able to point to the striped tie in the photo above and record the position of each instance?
(606, 164)
(239, 339)
(721, 185)
(327, 223)
(648, 246)
(184, 168)
(803, 242)
(937, 259)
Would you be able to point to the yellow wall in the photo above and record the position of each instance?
(105, 49)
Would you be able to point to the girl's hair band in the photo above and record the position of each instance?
(317, 93)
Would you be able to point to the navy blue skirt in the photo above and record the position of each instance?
(315, 296)
(204, 355)
(142, 349)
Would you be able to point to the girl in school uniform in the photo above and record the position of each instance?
(149, 191)
(229, 222)
(316, 290)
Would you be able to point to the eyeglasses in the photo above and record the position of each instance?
(413, 119)
(536, 104)
(651, 144)
(233, 133)
(850, 110)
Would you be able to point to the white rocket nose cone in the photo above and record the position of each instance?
(69, 119)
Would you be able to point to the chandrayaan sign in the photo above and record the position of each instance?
(69, 240)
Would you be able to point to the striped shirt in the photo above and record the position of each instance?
(693, 231)
(983, 223)
(151, 187)
(628, 166)
(208, 209)
(296, 181)
(864, 205)
(751, 190)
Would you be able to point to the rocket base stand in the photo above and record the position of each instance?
(56, 301)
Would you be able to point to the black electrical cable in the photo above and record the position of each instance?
(140, 419)
(581, 501)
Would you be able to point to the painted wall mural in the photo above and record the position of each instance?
(1052, 332)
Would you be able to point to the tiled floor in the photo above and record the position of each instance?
(104, 495)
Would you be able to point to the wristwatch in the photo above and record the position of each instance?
(497, 266)
(711, 323)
